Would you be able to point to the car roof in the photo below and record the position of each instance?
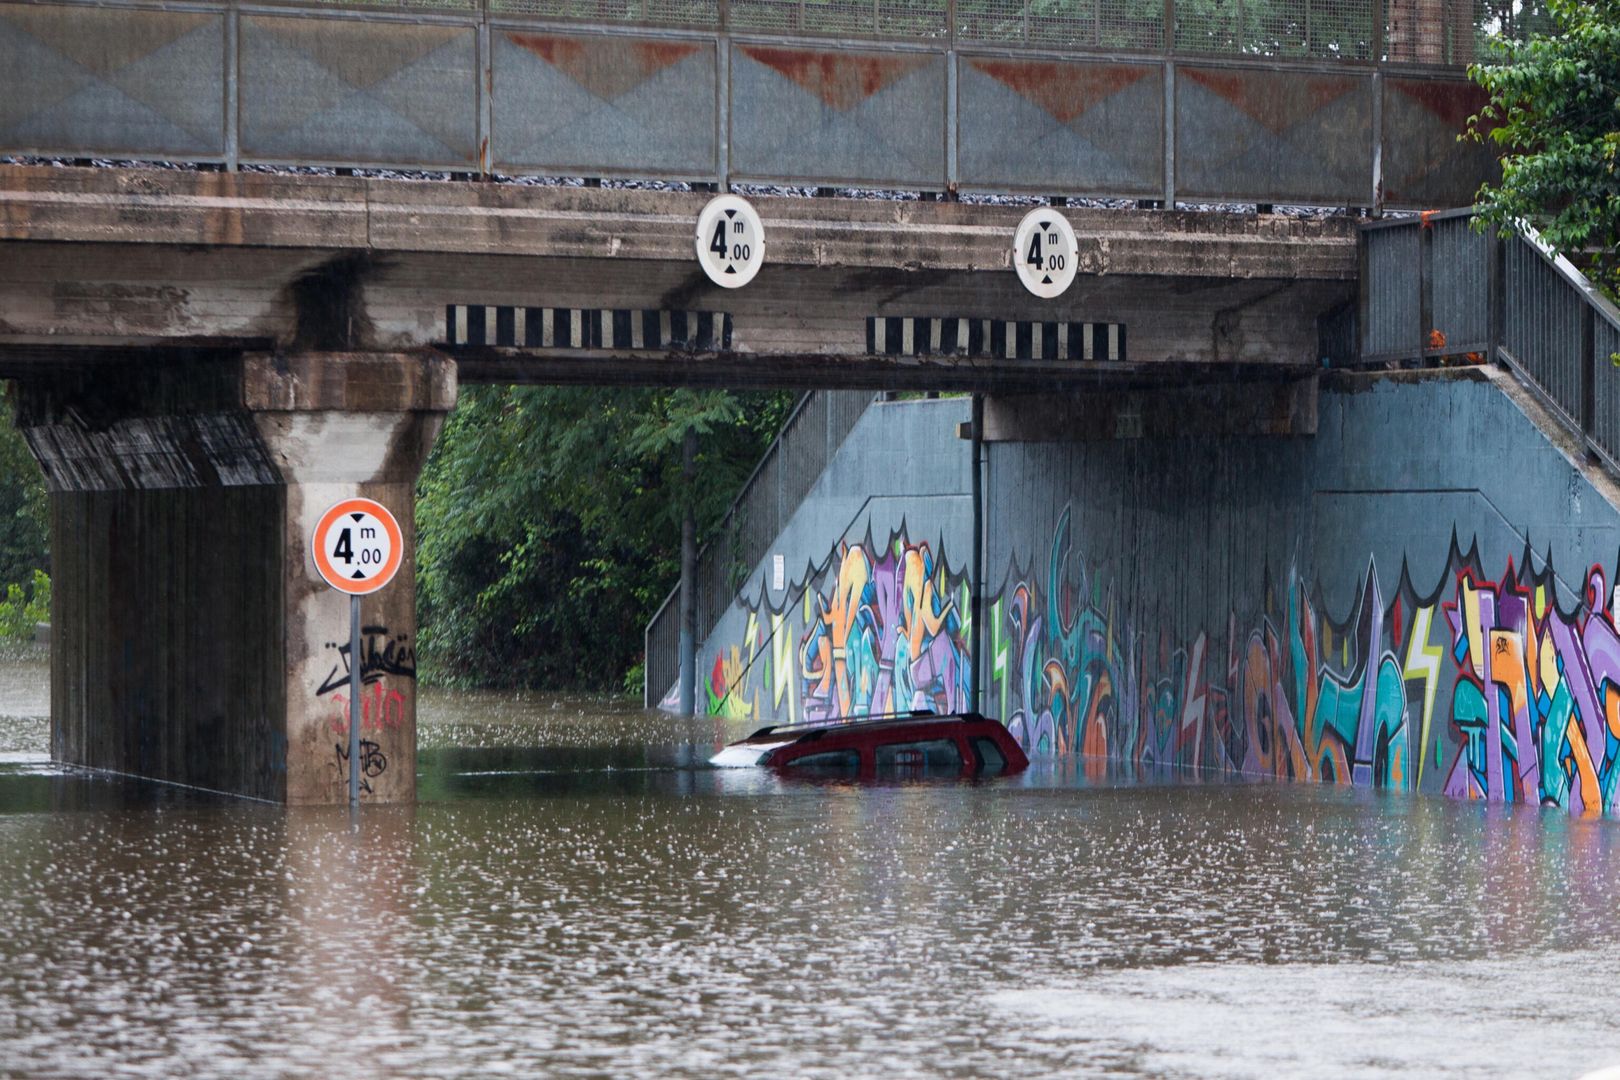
(794, 732)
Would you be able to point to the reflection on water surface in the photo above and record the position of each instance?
(576, 895)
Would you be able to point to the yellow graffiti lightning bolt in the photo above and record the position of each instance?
(1423, 659)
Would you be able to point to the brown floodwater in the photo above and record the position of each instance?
(576, 894)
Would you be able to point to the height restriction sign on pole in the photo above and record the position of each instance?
(730, 241)
(358, 548)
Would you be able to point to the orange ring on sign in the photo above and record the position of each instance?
(396, 547)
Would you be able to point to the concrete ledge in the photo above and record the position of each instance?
(1215, 408)
(361, 382)
(346, 213)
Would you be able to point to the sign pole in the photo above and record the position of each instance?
(357, 547)
(354, 701)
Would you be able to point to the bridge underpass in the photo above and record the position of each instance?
(206, 358)
(206, 361)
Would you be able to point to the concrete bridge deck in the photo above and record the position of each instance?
(101, 261)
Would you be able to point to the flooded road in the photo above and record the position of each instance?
(573, 898)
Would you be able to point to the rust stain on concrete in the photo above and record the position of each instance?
(1063, 90)
(1452, 102)
(841, 80)
(607, 67)
(1275, 100)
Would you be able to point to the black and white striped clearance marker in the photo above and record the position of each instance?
(505, 326)
(905, 335)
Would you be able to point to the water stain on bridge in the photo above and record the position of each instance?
(576, 895)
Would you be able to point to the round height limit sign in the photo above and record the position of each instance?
(730, 241)
(358, 546)
(1045, 252)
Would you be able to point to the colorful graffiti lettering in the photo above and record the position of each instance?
(877, 630)
(380, 709)
(1481, 689)
(1534, 710)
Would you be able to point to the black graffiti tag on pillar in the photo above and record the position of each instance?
(372, 762)
(380, 654)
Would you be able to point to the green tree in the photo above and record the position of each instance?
(25, 527)
(549, 524)
(1555, 112)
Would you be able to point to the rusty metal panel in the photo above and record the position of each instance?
(1252, 134)
(844, 116)
(93, 82)
(351, 91)
(604, 105)
(1065, 127)
(1424, 165)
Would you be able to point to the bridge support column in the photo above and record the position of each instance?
(192, 639)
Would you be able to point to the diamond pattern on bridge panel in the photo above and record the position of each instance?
(1424, 164)
(112, 81)
(838, 116)
(1061, 127)
(1286, 135)
(358, 92)
(608, 103)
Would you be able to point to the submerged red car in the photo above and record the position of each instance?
(960, 744)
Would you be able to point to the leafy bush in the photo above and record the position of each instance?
(549, 525)
(25, 606)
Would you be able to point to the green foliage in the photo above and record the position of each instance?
(549, 523)
(25, 606)
(25, 524)
(1555, 112)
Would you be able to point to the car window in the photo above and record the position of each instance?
(991, 759)
(828, 761)
(927, 754)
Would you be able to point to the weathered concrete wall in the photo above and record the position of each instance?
(1420, 595)
(109, 259)
(195, 642)
(1416, 597)
(879, 552)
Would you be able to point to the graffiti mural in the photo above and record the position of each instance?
(1481, 688)
(876, 629)
(386, 660)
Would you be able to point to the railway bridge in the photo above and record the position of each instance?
(251, 249)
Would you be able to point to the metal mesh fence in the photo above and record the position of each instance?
(414, 5)
(845, 407)
(693, 13)
(804, 454)
(1330, 29)
(1127, 25)
(1457, 31)
(871, 18)
(663, 659)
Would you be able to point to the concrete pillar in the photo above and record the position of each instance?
(193, 641)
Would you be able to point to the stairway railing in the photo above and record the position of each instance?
(1433, 289)
(809, 438)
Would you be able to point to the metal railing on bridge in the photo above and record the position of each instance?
(1434, 287)
(1328, 102)
(809, 438)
